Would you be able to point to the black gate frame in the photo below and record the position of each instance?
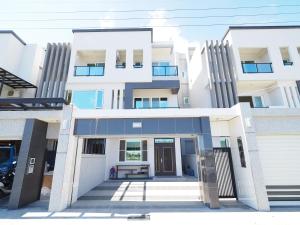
(228, 150)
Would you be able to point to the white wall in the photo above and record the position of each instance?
(11, 129)
(219, 128)
(53, 131)
(24, 61)
(191, 160)
(13, 49)
(199, 80)
(92, 172)
(249, 180)
(111, 42)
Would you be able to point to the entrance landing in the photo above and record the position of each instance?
(160, 191)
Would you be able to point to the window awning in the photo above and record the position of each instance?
(13, 81)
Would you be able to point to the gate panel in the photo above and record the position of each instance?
(225, 174)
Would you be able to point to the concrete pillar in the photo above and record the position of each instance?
(249, 180)
(178, 157)
(64, 171)
(206, 163)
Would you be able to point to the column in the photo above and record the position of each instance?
(64, 171)
(206, 163)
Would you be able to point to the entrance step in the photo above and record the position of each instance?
(142, 193)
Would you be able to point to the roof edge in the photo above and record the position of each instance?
(259, 28)
(14, 34)
(115, 30)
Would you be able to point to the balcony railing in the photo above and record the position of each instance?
(165, 71)
(89, 70)
(257, 67)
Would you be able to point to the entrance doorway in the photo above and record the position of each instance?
(165, 160)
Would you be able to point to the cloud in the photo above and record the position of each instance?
(107, 23)
(163, 30)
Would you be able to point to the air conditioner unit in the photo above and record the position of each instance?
(10, 93)
(13, 93)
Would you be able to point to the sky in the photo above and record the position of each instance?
(43, 21)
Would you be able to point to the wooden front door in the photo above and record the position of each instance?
(165, 160)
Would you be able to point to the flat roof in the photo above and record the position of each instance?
(114, 30)
(14, 34)
(260, 28)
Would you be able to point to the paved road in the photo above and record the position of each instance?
(230, 214)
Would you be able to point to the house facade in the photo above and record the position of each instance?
(117, 105)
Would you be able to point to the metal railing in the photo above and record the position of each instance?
(89, 70)
(165, 71)
(257, 67)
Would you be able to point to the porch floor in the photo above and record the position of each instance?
(156, 192)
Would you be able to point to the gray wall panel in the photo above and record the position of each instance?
(149, 126)
(27, 185)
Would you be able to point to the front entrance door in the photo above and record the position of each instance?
(165, 160)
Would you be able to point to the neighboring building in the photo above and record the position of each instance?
(259, 66)
(226, 113)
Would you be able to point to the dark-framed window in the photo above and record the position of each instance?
(241, 152)
(94, 146)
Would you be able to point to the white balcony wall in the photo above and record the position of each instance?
(111, 42)
(265, 38)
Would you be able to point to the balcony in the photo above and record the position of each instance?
(165, 71)
(257, 67)
(89, 70)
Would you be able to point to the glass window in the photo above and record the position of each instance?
(99, 103)
(155, 102)
(94, 146)
(146, 103)
(121, 59)
(133, 151)
(87, 99)
(138, 58)
(163, 102)
(138, 103)
(257, 102)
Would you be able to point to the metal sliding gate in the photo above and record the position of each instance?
(225, 174)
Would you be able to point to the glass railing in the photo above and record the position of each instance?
(164, 70)
(89, 70)
(257, 67)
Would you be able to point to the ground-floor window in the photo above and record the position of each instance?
(133, 150)
(94, 146)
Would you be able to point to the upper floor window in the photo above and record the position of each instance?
(164, 69)
(87, 99)
(90, 63)
(121, 59)
(138, 58)
(255, 60)
(285, 55)
(92, 69)
(258, 102)
(144, 103)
